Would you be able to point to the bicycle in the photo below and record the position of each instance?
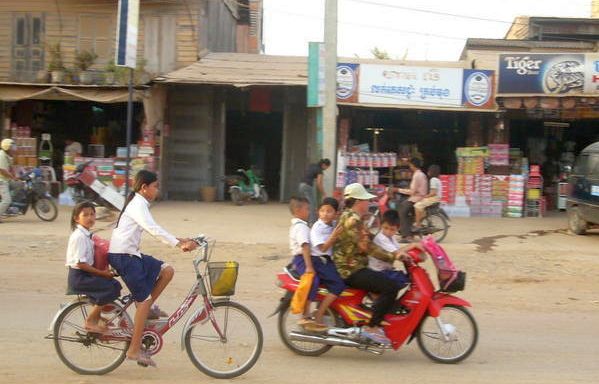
(223, 339)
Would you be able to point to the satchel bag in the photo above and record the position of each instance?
(298, 302)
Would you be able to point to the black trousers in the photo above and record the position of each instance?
(405, 220)
(376, 282)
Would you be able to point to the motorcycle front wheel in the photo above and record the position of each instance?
(236, 196)
(449, 339)
(45, 209)
(263, 197)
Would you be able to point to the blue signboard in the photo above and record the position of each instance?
(556, 74)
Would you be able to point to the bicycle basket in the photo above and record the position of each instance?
(223, 276)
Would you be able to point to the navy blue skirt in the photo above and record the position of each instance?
(99, 289)
(140, 274)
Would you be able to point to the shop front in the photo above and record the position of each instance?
(551, 107)
(57, 128)
(389, 113)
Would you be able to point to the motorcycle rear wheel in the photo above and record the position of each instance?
(288, 322)
(45, 209)
(461, 329)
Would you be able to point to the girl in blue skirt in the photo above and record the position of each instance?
(145, 276)
(99, 286)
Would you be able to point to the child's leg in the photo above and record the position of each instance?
(94, 317)
(139, 322)
(165, 277)
(328, 299)
(419, 215)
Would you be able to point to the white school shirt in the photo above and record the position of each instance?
(319, 234)
(135, 219)
(388, 244)
(299, 234)
(435, 183)
(80, 248)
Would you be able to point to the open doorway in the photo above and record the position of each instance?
(254, 140)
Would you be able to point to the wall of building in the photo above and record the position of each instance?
(169, 32)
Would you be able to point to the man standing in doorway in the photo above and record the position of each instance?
(6, 149)
(418, 189)
(307, 189)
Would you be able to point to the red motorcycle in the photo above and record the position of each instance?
(445, 330)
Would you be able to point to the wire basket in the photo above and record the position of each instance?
(222, 276)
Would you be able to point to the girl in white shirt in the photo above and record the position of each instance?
(145, 276)
(98, 285)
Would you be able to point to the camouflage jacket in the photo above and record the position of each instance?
(353, 246)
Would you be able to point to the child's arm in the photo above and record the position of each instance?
(307, 258)
(108, 274)
(402, 251)
(331, 240)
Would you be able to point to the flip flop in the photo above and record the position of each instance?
(316, 327)
(143, 360)
(96, 328)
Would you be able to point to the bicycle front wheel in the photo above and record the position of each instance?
(88, 353)
(227, 344)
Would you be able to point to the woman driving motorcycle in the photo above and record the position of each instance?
(351, 259)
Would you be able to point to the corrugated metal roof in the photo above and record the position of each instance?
(241, 70)
(246, 69)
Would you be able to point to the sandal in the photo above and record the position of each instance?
(304, 321)
(95, 328)
(143, 360)
(316, 327)
(156, 313)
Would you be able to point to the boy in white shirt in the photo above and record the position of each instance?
(320, 264)
(385, 239)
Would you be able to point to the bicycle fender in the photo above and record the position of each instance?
(63, 307)
(193, 319)
(440, 300)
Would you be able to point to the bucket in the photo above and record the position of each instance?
(208, 194)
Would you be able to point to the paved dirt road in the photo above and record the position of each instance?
(534, 290)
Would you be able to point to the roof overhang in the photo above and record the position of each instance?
(66, 92)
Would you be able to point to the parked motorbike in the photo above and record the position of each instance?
(435, 222)
(80, 183)
(245, 186)
(445, 330)
(32, 192)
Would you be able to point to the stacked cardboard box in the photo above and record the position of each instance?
(515, 203)
(448, 188)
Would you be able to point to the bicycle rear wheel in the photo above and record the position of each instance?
(88, 353)
(232, 354)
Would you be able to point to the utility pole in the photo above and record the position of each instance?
(329, 139)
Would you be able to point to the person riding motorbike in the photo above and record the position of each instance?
(7, 149)
(350, 255)
(418, 189)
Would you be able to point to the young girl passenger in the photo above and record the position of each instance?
(145, 276)
(99, 286)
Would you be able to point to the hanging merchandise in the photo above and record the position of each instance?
(46, 150)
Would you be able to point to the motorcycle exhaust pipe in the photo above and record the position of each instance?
(328, 340)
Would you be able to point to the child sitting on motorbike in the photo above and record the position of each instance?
(385, 239)
(303, 262)
(98, 285)
(351, 258)
(323, 236)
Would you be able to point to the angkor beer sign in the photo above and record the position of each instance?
(417, 86)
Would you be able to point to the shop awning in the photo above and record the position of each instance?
(99, 94)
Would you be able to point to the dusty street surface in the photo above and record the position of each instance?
(534, 290)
